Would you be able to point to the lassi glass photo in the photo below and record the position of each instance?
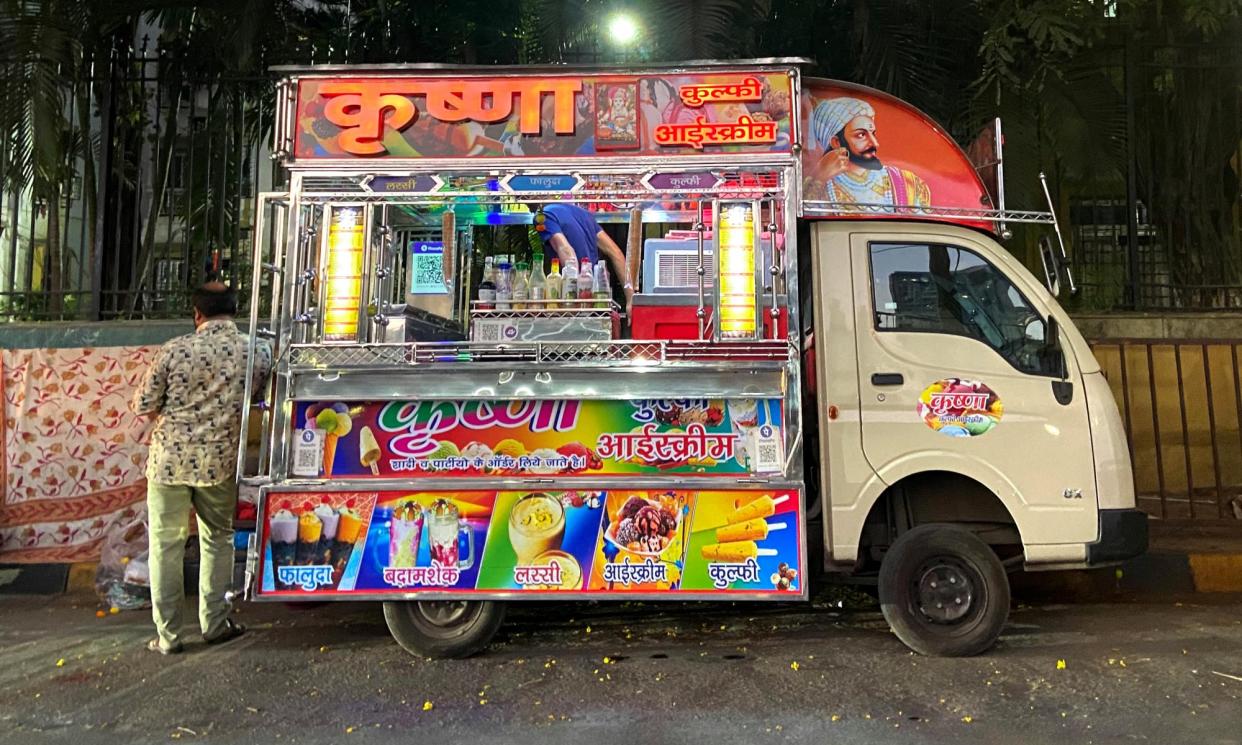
(536, 525)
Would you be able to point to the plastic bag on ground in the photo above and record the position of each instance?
(123, 579)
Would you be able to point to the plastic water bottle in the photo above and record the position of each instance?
(569, 287)
(586, 282)
(504, 290)
(600, 287)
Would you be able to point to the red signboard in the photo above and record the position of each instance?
(543, 116)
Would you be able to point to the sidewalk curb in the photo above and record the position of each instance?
(1217, 572)
(1155, 574)
(33, 579)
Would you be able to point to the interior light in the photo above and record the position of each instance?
(737, 271)
(343, 276)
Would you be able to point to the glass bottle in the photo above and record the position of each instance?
(487, 288)
(586, 282)
(554, 283)
(538, 284)
(521, 287)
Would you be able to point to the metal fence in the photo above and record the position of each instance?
(163, 199)
(1182, 406)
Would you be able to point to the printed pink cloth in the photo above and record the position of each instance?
(72, 454)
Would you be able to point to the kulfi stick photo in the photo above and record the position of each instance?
(764, 506)
(751, 530)
(735, 551)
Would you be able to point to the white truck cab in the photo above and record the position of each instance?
(964, 427)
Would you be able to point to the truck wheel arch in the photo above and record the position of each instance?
(936, 496)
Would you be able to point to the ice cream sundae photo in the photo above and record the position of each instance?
(645, 525)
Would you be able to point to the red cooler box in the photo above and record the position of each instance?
(673, 317)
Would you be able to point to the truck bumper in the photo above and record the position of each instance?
(1123, 535)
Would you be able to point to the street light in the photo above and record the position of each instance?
(623, 29)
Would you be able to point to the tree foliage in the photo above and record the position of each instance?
(1052, 69)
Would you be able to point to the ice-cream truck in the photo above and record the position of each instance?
(829, 365)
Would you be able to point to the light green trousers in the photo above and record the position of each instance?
(168, 514)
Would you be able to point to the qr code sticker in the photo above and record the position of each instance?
(428, 272)
(767, 451)
(488, 331)
(307, 453)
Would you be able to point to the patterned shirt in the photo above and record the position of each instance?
(195, 384)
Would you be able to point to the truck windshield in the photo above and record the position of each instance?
(940, 289)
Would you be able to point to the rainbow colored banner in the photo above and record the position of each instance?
(418, 439)
(592, 543)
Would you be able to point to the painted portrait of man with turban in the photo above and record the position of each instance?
(850, 171)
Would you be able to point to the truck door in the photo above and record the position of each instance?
(954, 375)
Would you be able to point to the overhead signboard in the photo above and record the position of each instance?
(682, 181)
(463, 116)
(542, 182)
(386, 184)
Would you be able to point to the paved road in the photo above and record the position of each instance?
(1160, 673)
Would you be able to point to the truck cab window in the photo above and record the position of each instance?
(941, 289)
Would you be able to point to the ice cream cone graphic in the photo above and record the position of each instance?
(335, 423)
(329, 453)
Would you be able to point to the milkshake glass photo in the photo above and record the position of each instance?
(404, 534)
(445, 529)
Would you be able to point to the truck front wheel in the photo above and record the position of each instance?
(443, 629)
(943, 591)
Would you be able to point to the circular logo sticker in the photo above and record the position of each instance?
(308, 436)
(960, 408)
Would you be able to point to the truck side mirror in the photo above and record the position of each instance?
(1053, 352)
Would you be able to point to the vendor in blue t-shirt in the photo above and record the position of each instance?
(575, 236)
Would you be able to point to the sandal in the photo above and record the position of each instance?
(231, 631)
(155, 646)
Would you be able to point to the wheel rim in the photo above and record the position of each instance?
(947, 592)
(445, 614)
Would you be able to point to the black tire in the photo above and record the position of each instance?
(944, 592)
(444, 629)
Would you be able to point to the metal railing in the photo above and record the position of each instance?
(601, 353)
(1181, 402)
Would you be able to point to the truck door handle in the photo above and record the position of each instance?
(887, 379)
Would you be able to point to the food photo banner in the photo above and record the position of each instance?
(351, 118)
(419, 439)
(728, 542)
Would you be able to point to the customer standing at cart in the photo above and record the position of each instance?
(194, 390)
(575, 236)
